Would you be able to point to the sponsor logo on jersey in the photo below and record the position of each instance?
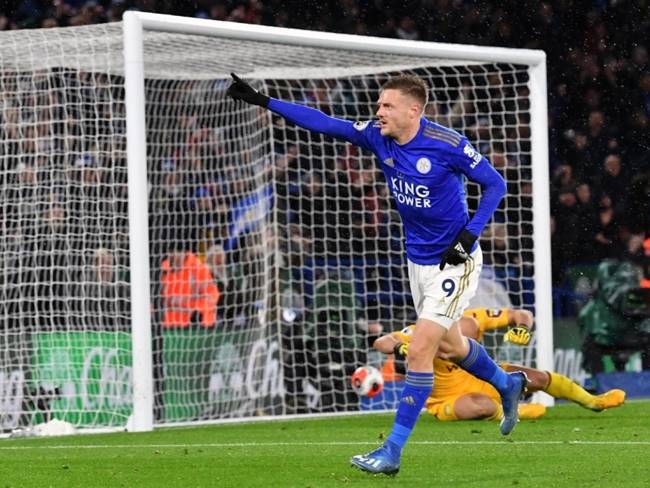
(360, 125)
(411, 194)
(423, 165)
(472, 154)
(389, 162)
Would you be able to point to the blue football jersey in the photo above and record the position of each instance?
(425, 177)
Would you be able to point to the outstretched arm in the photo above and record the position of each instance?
(305, 117)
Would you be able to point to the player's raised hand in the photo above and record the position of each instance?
(459, 250)
(240, 90)
(519, 335)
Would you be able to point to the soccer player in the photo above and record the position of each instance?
(424, 164)
(459, 396)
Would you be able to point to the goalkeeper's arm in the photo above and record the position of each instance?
(391, 344)
(521, 324)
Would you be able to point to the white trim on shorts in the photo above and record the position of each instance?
(444, 305)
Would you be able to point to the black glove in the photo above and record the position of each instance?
(401, 350)
(240, 90)
(459, 250)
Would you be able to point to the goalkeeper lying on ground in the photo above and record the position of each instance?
(458, 395)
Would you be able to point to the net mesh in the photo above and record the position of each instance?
(274, 252)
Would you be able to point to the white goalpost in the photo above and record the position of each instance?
(173, 257)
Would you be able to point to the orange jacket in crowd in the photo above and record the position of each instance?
(188, 289)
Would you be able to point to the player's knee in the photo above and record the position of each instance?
(484, 406)
(453, 348)
(420, 355)
(469, 327)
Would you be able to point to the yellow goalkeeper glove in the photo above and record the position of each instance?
(519, 335)
(400, 350)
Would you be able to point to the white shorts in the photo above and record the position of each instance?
(443, 296)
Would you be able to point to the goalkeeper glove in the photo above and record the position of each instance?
(400, 350)
(459, 250)
(519, 335)
(240, 90)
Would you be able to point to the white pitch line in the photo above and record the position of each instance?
(293, 444)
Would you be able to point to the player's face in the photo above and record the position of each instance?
(398, 114)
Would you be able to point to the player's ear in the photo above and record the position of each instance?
(415, 111)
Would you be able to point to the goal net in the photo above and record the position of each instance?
(245, 272)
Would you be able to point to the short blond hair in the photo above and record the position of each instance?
(411, 85)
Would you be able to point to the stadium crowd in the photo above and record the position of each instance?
(599, 105)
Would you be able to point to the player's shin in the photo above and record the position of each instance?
(414, 395)
(559, 386)
(481, 365)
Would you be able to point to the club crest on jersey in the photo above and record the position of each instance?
(423, 165)
(493, 312)
(360, 125)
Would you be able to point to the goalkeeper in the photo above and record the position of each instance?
(459, 396)
(425, 165)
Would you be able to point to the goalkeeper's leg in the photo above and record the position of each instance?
(473, 358)
(560, 386)
(470, 406)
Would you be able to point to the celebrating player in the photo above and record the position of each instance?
(424, 164)
(459, 396)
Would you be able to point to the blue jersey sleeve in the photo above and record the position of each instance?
(478, 169)
(358, 133)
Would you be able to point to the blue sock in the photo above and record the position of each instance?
(481, 365)
(415, 393)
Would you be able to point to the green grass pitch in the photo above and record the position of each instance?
(569, 447)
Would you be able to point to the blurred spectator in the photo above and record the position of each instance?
(612, 181)
(564, 209)
(49, 270)
(607, 231)
(201, 220)
(189, 292)
(407, 29)
(585, 232)
(215, 258)
(598, 139)
(103, 294)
